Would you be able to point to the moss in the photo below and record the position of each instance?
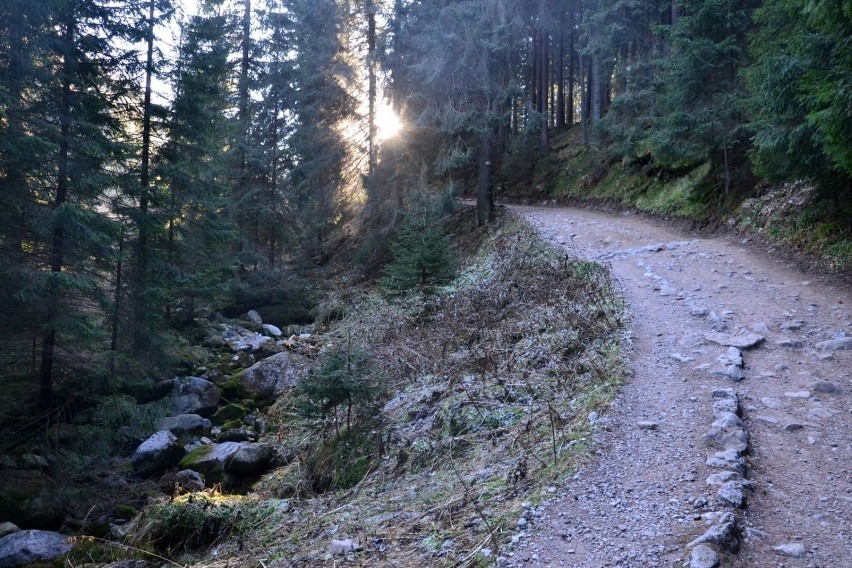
(229, 413)
(191, 459)
(232, 424)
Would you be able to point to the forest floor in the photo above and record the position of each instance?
(635, 503)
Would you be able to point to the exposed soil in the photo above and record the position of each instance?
(634, 503)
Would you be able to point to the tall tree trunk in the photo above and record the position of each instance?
(140, 286)
(571, 70)
(584, 99)
(560, 79)
(484, 197)
(243, 126)
(57, 246)
(371, 88)
(273, 186)
(544, 143)
(597, 99)
(116, 308)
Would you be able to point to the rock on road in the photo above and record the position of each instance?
(706, 313)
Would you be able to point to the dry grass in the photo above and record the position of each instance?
(488, 384)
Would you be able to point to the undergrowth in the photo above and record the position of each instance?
(487, 382)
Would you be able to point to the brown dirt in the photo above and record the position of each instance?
(634, 504)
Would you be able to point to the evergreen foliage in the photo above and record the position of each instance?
(422, 253)
(344, 381)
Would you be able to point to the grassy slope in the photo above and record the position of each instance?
(489, 381)
(791, 215)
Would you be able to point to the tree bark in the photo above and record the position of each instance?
(57, 247)
(544, 72)
(560, 79)
(484, 197)
(571, 70)
(371, 88)
(141, 277)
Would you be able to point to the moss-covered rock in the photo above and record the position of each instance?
(229, 413)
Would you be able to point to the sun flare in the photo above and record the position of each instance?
(388, 123)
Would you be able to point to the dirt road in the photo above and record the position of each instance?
(644, 496)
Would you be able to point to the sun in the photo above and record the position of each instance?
(388, 123)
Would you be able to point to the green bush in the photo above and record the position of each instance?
(422, 255)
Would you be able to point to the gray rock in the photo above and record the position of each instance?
(731, 493)
(593, 417)
(186, 426)
(760, 327)
(793, 426)
(798, 394)
(272, 330)
(240, 339)
(734, 356)
(255, 317)
(723, 534)
(697, 311)
(268, 378)
(8, 528)
(190, 481)
(723, 406)
(746, 341)
(703, 557)
(842, 344)
(791, 343)
(772, 403)
(249, 459)
(728, 433)
(826, 387)
(728, 459)
(794, 549)
(724, 477)
(647, 425)
(211, 461)
(716, 323)
(158, 453)
(194, 395)
(725, 393)
(27, 547)
(732, 372)
(820, 413)
(342, 547)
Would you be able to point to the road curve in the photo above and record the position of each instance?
(644, 497)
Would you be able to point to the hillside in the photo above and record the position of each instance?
(477, 409)
(791, 219)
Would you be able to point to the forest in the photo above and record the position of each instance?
(162, 161)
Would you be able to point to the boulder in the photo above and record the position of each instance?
(254, 316)
(194, 395)
(190, 481)
(27, 547)
(268, 378)
(8, 528)
(272, 330)
(210, 460)
(157, 454)
(249, 459)
(186, 426)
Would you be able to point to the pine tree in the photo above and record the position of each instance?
(799, 92)
(199, 236)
